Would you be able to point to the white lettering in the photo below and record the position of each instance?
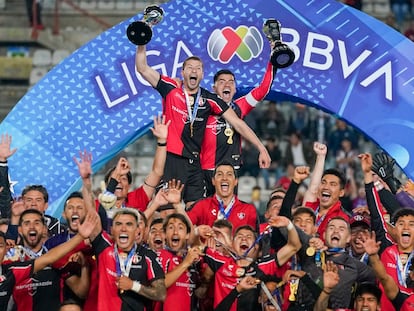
(385, 70)
(325, 52)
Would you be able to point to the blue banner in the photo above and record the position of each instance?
(347, 63)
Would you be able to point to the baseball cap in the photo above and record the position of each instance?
(360, 220)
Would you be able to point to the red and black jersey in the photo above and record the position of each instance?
(228, 274)
(183, 288)
(216, 145)
(206, 212)
(38, 291)
(144, 268)
(180, 141)
(12, 274)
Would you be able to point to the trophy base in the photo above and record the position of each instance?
(282, 56)
(139, 33)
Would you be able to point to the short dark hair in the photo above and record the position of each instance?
(110, 171)
(178, 216)
(222, 72)
(225, 163)
(401, 212)
(368, 288)
(304, 210)
(337, 173)
(245, 227)
(42, 189)
(278, 189)
(69, 302)
(223, 223)
(32, 211)
(193, 57)
(75, 194)
(156, 221)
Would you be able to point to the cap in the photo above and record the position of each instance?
(360, 220)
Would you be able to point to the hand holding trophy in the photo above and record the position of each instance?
(282, 55)
(140, 32)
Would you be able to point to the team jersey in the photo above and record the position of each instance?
(207, 211)
(216, 145)
(89, 304)
(335, 210)
(228, 274)
(12, 274)
(403, 302)
(39, 291)
(183, 288)
(144, 268)
(185, 137)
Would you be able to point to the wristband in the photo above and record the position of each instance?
(136, 286)
(290, 226)
(161, 144)
(326, 292)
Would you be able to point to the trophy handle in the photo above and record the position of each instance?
(140, 32)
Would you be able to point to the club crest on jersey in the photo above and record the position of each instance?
(136, 259)
(241, 215)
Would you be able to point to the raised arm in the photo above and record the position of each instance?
(311, 193)
(160, 131)
(247, 133)
(371, 248)
(149, 74)
(293, 244)
(5, 194)
(56, 253)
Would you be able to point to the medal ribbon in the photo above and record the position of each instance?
(403, 270)
(268, 230)
(225, 212)
(123, 268)
(192, 115)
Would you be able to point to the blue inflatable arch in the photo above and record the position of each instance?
(347, 63)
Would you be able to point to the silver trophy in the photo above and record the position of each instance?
(282, 55)
(140, 32)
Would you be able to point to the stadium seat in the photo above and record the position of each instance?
(37, 74)
(88, 4)
(42, 57)
(124, 5)
(246, 184)
(106, 5)
(59, 55)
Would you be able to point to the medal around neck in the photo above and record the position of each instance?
(282, 55)
(140, 32)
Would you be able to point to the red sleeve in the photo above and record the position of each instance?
(137, 199)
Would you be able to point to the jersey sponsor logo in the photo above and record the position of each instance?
(244, 41)
(32, 285)
(391, 265)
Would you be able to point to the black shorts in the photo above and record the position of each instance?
(189, 172)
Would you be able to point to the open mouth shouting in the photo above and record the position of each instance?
(123, 239)
(226, 95)
(405, 237)
(75, 219)
(32, 236)
(325, 196)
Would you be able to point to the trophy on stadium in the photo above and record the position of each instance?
(140, 32)
(282, 54)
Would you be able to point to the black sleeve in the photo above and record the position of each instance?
(399, 300)
(377, 221)
(314, 289)
(103, 216)
(5, 194)
(226, 303)
(389, 201)
(289, 200)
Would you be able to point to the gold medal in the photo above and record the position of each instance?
(229, 133)
(404, 258)
(310, 251)
(191, 100)
(240, 272)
